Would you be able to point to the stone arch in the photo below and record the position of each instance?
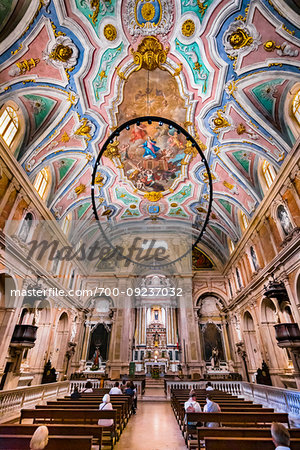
(268, 311)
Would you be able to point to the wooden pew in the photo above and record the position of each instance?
(54, 429)
(214, 443)
(120, 418)
(228, 432)
(72, 416)
(246, 419)
(16, 442)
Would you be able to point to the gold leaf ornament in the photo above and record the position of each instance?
(188, 28)
(110, 32)
(150, 54)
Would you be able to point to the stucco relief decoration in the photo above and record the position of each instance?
(240, 38)
(220, 122)
(148, 17)
(97, 7)
(110, 32)
(284, 49)
(150, 54)
(22, 67)
(86, 129)
(188, 28)
(62, 52)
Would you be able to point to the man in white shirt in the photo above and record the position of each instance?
(280, 436)
(192, 406)
(115, 390)
(211, 406)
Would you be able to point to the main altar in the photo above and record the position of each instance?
(156, 350)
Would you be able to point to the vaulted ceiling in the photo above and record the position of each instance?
(222, 69)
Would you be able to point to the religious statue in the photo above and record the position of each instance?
(215, 359)
(96, 358)
(284, 220)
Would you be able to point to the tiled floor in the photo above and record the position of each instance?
(154, 427)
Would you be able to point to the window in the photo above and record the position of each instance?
(268, 173)
(254, 259)
(41, 183)
(245, 221)
(9, 124)
(238, 277)
(66, 224)
(296, 107)
(230, 245)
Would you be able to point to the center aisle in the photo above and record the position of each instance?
(154, 427)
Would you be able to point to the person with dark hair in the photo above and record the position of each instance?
(88, 387)
(115, 390)
(280, 436)
(123, 385)
(211, 406)
(209, 386)
(75, 394)
(130, 391)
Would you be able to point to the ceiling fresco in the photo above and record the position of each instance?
(222, 69)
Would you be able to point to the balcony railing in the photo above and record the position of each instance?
(24, 336)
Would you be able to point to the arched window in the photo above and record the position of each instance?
(296, 107)
(268, 173)
(231, 245)
(41, 182)
(244, 220)
(66, 224)
(26, 227)
(238, 277)
(254, 258)
(9, 125)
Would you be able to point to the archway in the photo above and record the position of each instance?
(252, 348)
(61, 341)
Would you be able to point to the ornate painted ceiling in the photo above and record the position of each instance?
(222, 69)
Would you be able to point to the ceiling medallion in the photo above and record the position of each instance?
(188, 28)
(110, 32)
(240, 37)
(145, 17)
(151, 158)
(150, 54)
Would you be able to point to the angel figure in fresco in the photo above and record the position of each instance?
(150, 148)
(174, 140)
(138, 132)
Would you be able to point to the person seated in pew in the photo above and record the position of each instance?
(75, 394)
(130, 391)
(123, 385)
(107, 406)
(211, 406)
(192, 406)
(88, 387)
(280, 436)
(115, 390)
(39, 439)
(209, 386)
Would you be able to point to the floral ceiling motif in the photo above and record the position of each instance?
(222, 69)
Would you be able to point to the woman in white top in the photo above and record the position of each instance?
(107, 406)
(211, 407)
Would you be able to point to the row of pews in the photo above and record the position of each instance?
(243, 425)
(72, 424)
